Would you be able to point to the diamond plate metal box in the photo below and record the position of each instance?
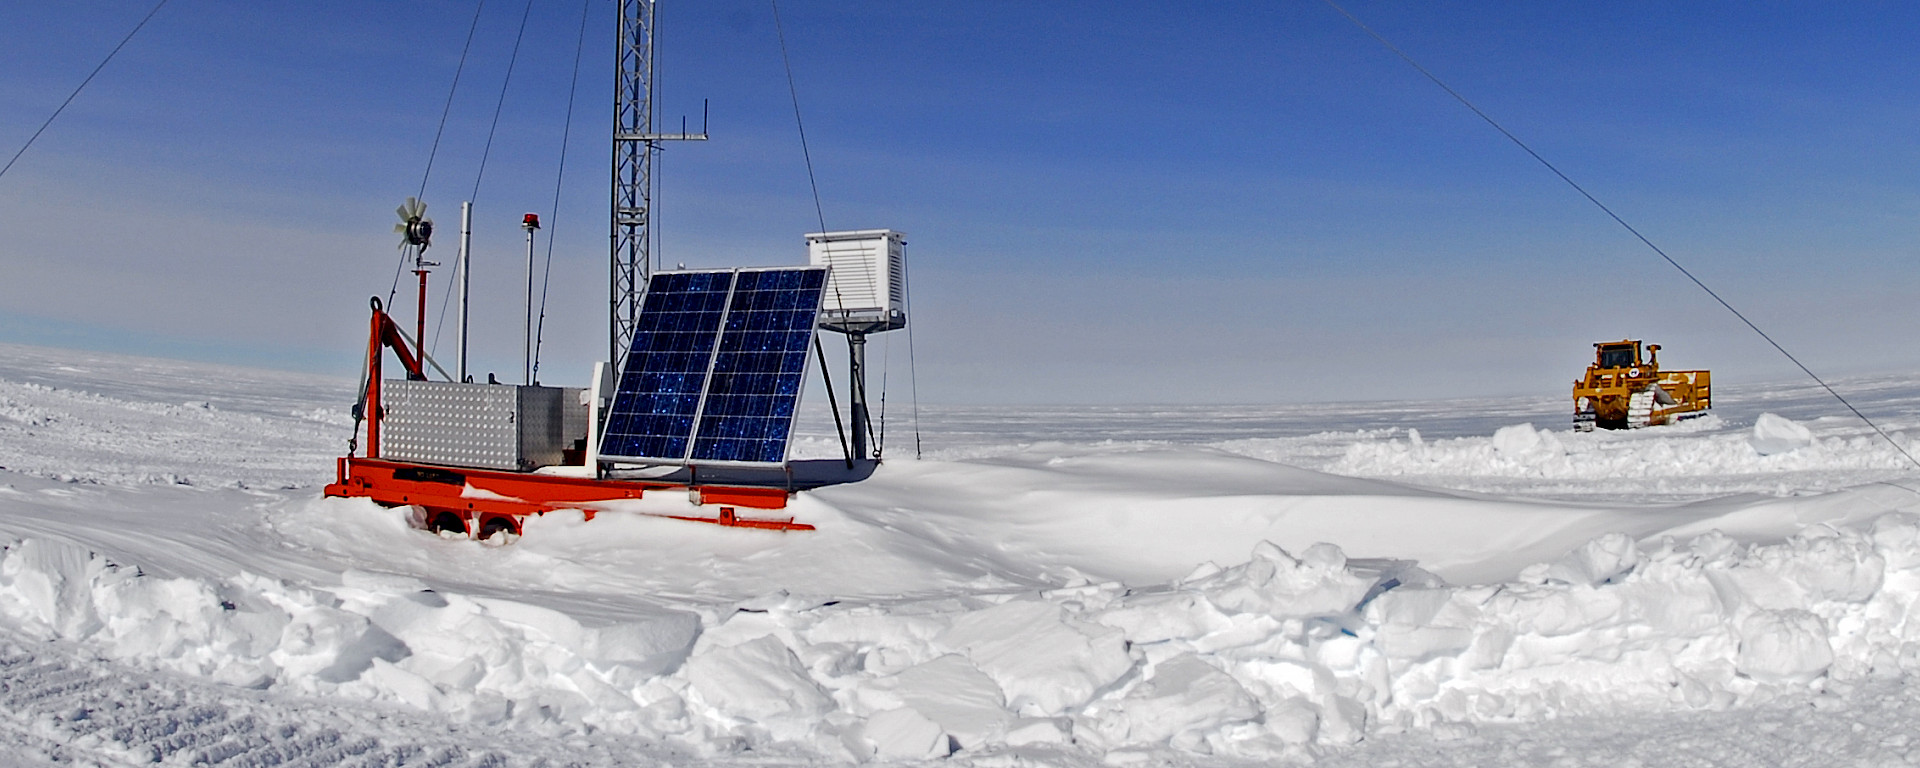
(487, 426)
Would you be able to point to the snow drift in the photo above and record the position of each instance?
(1265, 658)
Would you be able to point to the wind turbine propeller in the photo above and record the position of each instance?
(414, 227)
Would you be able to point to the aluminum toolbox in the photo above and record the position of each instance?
(489, 426)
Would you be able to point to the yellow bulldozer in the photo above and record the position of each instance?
(1624, 391)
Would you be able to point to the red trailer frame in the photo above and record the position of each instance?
(482, 502)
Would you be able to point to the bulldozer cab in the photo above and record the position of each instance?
(1620, 354)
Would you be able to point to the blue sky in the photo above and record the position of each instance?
(1105, 202)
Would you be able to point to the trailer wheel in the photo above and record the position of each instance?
(498, 524)
(448, 522)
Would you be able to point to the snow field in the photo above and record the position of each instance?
(85, 437)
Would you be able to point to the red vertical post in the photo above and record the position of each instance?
(374, 354)
(420, 318)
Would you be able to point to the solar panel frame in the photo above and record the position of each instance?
(747, 420)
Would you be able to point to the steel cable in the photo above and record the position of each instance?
(819, 212)
(83, 84)
(446, 295)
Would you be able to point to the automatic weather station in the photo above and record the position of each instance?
(699, 395)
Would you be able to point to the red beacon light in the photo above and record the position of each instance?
(532, 221)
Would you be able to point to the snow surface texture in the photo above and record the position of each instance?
(1315, 584)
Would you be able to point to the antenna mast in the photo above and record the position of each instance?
(634, 143)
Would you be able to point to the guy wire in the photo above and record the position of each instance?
(83, 84)
(793, 91)
(566, 135)
(486, 151)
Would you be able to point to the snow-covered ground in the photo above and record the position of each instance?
(1418, 583)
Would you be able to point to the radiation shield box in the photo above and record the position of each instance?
(484, 426)
(867, 284)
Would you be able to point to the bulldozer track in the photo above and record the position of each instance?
(60, 707)
(1640, 409)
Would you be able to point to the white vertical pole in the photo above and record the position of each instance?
(600, 390)
(527, 365)
(466, 269)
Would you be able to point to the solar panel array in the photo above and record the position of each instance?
(716, 367)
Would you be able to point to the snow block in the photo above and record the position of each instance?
(1523, 444)
(1183, 701)
(1409, 625)
(1045, 730)
(1842, 567)
(51, 584)
(1293, 721)
(655, 646)
(1773, 435)
(1599, 561)
(342, 645)
(759, 681)
(1275, 583)
(955, 695)
(904, 734)
(1157, 618)
(1784, 646)
(1044, 662)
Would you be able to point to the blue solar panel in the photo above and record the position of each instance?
(658, 397)
(760, 366)
(716, 367)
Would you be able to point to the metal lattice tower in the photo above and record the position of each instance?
(634, 143)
